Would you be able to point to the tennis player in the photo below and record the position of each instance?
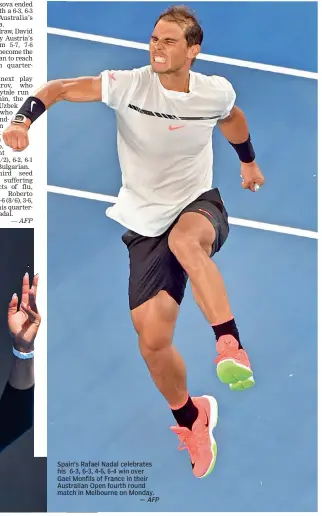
(17, 399)
(176, 222)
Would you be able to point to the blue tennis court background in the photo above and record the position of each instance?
(102, 404)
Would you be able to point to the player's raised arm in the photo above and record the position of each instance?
(81, 89)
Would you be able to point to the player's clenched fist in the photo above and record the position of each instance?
(16, 136)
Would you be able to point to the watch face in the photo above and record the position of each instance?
(19, 118)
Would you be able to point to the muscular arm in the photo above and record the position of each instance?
(234, 127)
(235, 130)
(81, 89)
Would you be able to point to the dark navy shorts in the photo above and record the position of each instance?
(153, 267)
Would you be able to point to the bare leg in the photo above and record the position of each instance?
(191, 242)
(154, 322)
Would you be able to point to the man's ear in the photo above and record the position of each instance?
(193, 51)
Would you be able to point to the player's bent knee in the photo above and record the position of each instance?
(154, 322)
(154, 335)
(185, 246)
(153, 343)
(181, 243)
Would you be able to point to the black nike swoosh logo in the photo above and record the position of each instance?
(207, 425)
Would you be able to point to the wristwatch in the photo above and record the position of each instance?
(19, 119)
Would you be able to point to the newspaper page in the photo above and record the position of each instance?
(158, 234)
(110, 446)
(23, 402)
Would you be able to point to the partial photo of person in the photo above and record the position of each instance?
(23, 477)
(17, 400)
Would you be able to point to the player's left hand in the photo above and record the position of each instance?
(251, 176)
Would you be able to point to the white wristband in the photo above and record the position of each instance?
(23, 356)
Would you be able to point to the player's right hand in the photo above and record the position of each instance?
(24, 321)
(16, 137)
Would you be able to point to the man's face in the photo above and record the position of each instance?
(169, 51)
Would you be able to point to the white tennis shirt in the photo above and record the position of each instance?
(164, 141)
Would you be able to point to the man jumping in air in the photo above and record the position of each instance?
(176, 222)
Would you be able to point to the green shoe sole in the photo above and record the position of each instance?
(242, 385)
(212, 465)
(229, 372)
(212, 424)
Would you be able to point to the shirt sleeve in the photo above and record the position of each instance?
(16, 414)
(226, 96)
(118, 87)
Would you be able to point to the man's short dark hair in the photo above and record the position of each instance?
(187, 20)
